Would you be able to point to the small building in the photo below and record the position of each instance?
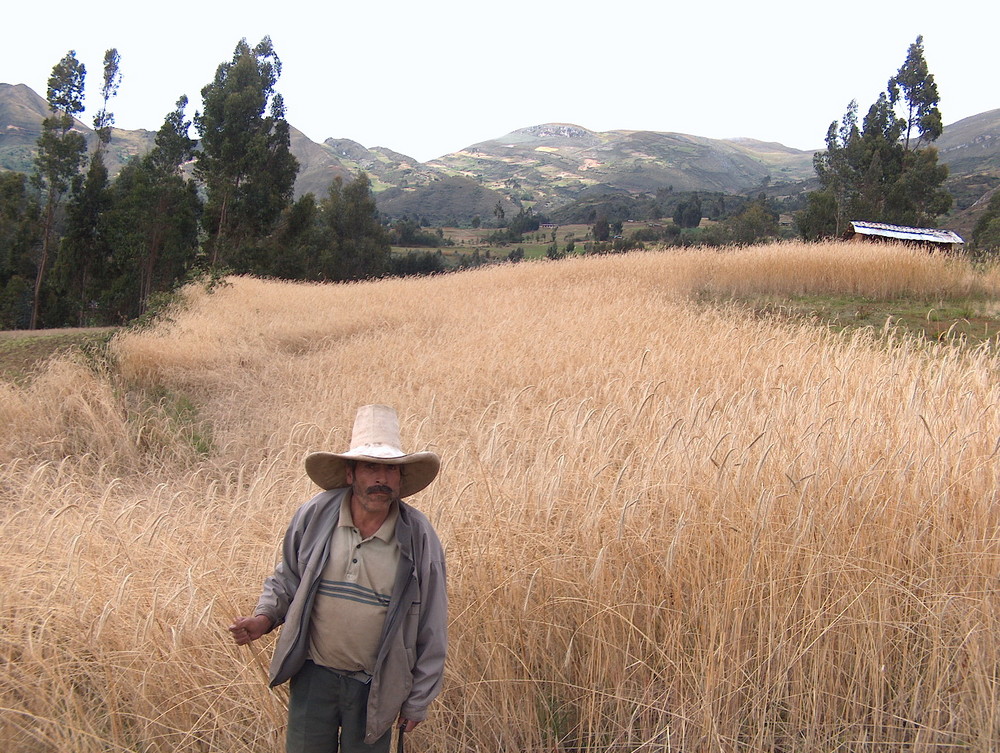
(943, 240)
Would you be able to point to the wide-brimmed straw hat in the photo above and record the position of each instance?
(375, 439)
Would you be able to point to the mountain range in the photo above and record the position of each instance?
(550, 166)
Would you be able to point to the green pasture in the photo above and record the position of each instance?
(469, 240)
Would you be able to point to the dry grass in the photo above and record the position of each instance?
(668, 527)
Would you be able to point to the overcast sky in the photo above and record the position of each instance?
(429, 78)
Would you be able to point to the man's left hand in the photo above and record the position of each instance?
(407, 725)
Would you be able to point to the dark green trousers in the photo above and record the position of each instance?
(326, 714)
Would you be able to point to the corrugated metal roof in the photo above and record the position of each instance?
(900, 232)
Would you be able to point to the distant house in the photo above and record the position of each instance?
(944, 240)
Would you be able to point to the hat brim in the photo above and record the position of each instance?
(328, 470)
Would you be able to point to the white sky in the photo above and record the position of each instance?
(429, 78)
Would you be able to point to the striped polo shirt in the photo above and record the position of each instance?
(353, 594)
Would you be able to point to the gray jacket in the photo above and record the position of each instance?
(410, 663)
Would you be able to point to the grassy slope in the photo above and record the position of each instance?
(22, 352)
(956, 318)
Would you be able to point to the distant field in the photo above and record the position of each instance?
(477, 236)
(691, 501)
(535, 244)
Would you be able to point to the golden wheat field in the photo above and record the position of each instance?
(670, 526)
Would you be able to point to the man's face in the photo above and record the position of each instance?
(374, 485)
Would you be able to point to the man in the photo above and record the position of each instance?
(360, 591)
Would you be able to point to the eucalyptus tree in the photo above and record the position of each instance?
(245, 162)
(838, 169)
(19, 236)
(84, 251)
(914, 89)
(354, 243)
(879, 172)
(61, 153)
(153, 221)
(104, 120)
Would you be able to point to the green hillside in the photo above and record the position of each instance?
(548, 167)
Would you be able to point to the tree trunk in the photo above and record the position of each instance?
(50, 212)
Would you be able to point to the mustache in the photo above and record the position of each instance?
(378, 489)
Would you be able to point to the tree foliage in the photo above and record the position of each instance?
(986, 235)
(878, 171)
(601, 229)
(755, 224)
(688, 213)
(291, 252)
(525, 221)
(246, 162)
(153, 222)
(913, 87)
(354, 245)
(416, 263)
(83, 255)
(407, 232)
(19, 235)
(84, 251)
(104, 120)
(60, 156)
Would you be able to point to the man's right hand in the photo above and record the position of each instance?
(248, 629)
